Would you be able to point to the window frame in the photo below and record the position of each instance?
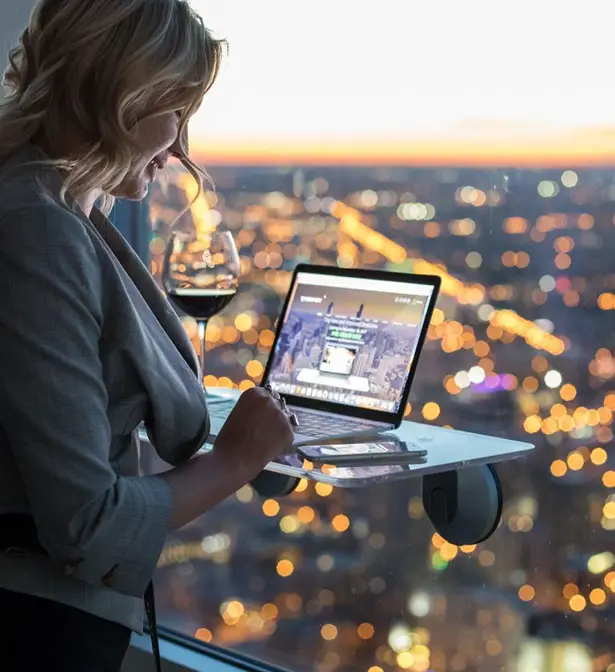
(131, 219)
(181, 653)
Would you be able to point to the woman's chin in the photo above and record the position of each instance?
(143, 191)
(134, 191)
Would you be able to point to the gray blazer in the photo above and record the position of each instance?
(89, 348)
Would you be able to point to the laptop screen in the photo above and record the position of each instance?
(349, 340)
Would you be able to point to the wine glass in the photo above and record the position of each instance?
(200, 275)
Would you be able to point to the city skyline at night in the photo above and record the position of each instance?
(519, 346)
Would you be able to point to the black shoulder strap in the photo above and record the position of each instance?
(150, 609)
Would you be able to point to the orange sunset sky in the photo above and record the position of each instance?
(411, 82)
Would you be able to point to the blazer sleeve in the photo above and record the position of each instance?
(102, 528)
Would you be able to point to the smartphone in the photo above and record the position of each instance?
(385, 450)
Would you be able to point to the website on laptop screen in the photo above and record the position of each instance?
(349, 340)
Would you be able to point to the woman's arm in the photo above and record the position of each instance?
(103, 528)
(202, 482)
(256, 432)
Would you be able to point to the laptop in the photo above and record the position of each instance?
(345, 351)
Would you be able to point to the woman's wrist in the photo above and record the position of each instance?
(246, 466)
(206, 480)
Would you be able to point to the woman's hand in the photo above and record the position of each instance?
(257, 431)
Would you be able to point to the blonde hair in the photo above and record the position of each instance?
(92, 68)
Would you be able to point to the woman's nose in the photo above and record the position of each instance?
(175, 148)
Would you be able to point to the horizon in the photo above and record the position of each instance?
(591, 150)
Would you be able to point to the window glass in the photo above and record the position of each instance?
(457, 138)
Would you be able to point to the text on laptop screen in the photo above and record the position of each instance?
(349, 340)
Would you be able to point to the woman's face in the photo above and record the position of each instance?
(158, 140)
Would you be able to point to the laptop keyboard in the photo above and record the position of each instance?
(221, 408)
(319, 424)
(310, 423)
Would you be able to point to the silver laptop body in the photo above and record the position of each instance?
(345, 351)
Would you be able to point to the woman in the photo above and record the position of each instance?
(100, 95)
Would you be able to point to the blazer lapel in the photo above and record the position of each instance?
(133, 266)
(146, 284)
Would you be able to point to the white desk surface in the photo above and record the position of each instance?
(447, 450)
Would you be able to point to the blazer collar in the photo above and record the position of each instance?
(146, 284)
(126, 256)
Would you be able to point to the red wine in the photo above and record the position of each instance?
(201, 303)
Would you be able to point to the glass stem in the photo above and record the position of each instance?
(202, 327)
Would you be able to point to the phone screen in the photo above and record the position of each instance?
(389, 448)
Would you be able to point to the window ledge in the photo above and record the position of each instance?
(180, 654)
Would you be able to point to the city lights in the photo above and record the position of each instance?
(601, 562)
(517, 346)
